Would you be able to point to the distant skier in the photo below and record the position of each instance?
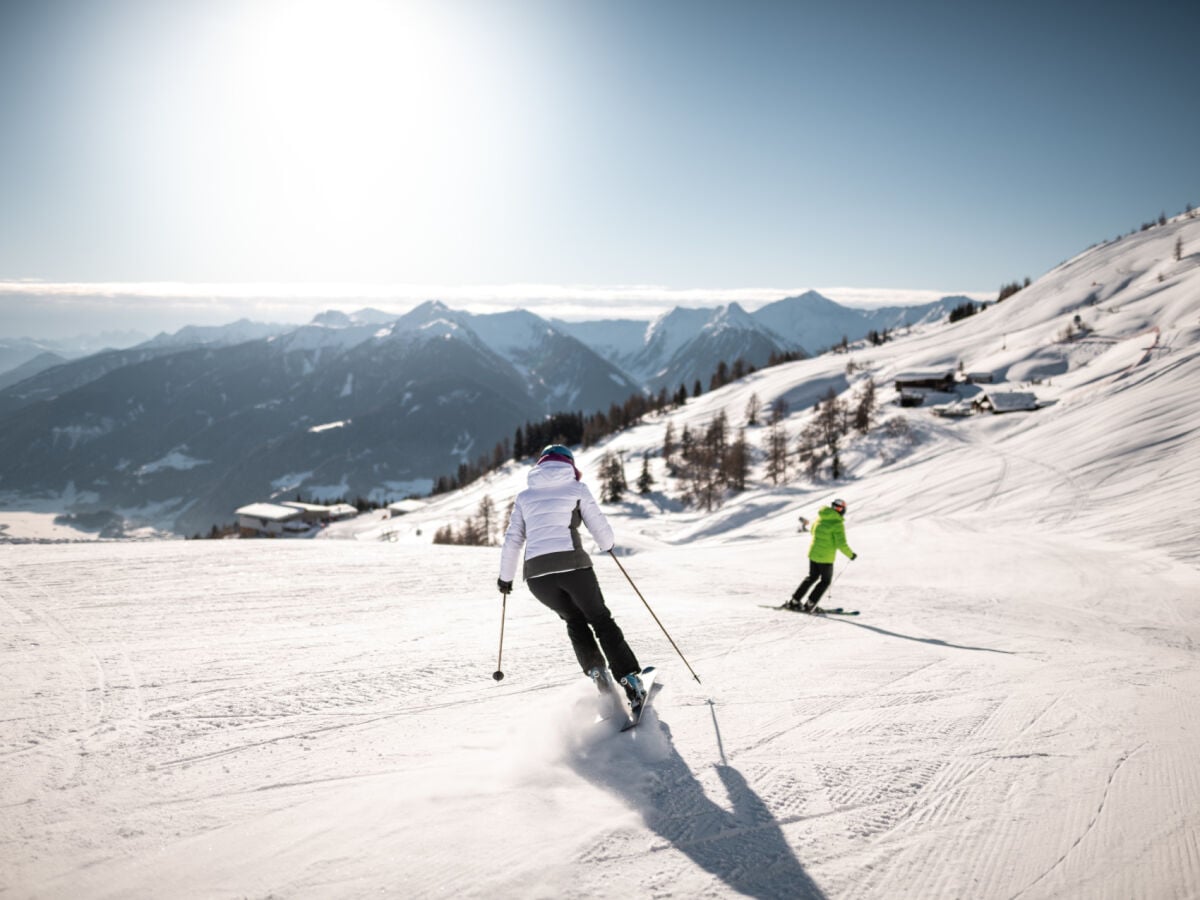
(546, 518)
(803, 525)
(828, 537)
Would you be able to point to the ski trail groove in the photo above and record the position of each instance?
(1087, 829)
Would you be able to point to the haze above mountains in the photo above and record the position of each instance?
(181, 429)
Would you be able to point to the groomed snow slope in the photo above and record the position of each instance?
(1014, 714)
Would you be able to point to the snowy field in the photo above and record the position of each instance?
(1015, 713)
(318, 719)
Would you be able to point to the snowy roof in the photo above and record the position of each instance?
(343, 509)
(307, 507)
(272, 511)
(958, 408)
(1008, 401)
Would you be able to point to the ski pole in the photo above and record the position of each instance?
(836, 576)
(660, 624)
(499, 673)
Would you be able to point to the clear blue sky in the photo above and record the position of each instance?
(693, 145)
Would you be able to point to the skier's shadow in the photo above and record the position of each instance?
(744, 847)
(937, 642)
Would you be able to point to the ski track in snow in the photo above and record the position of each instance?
(247, 718)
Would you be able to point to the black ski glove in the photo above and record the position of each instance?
(505, 586)
(854, 556)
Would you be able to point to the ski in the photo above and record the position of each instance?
(614, 703)
(835, 611)
(635, 714)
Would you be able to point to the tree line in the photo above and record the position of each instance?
(577, 429)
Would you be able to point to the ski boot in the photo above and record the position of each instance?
(634, 689)
(608, 699)
(601, 679)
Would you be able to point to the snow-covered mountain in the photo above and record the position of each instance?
(728, 333)
(218, 335)
(617, 340)
(1013, 714)
(812, 322)
(680, 346)
(561, 372)
(189, 431)
(686, 344)
(337, 319)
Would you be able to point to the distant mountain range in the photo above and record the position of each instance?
(183, 428)
(686, 343)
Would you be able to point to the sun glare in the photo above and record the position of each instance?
(358, 120)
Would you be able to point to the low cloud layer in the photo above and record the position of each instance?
(44, 309)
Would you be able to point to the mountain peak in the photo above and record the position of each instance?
(332, 318)
(429, 308)
(335, 318)
(810, 298)
(731, 315)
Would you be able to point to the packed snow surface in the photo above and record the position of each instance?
(1014, 714)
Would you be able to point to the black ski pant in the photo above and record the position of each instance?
(820, 574)
(577, 599)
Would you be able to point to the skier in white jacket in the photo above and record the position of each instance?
(545, 519)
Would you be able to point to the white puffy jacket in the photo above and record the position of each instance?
(546, 518)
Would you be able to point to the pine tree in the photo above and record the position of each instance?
(716, 437)
(686, 444)
(777, 453)
(779, 410)
(737, 463)
(668, 446)
(809, 452)
(704, 465)
(612, 478)
(471, 534)
(720, 378)
(866, 407)
(645, 482)
(826, 430)
(486, 515)
(753, 408)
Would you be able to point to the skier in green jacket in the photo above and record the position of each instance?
(828, 537)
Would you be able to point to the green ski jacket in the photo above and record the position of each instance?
(828, 537)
